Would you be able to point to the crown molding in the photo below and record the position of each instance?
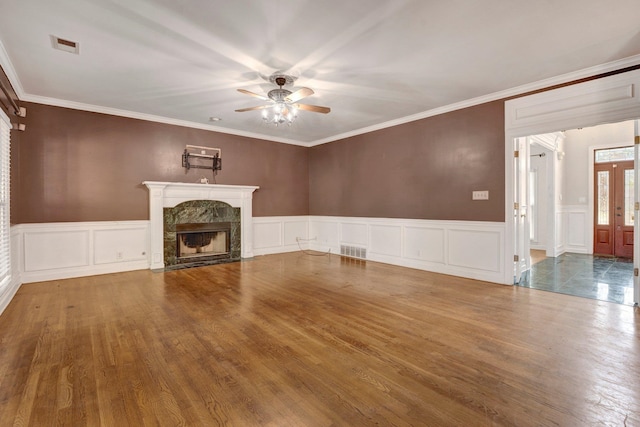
(151, 118)
(7, 66)
(508, 93)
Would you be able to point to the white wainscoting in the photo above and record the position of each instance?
(62, 250)
(277, 234)
(560, 233)
(53, 251)
(10, 289)
(460, 248)
(573, 230)
(576, 229)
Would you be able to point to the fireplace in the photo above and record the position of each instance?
(210, 241)
(201, 232)
(175, 203)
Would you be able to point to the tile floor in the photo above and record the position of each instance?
(588, 276)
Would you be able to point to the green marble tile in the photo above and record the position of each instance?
(200, 212)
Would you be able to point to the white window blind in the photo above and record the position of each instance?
(5, 232)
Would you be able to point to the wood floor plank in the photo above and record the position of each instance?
(299, 340)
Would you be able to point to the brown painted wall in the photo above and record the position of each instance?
(425, 169)
(81, 166)
(74, 165)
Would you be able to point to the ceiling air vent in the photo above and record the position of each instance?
(65, 45)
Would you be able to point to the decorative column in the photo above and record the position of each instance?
(156, 226)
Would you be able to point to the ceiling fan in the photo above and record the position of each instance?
(283, 106)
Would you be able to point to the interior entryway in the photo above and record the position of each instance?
(610, 99)
(583, 275)
(579, 211)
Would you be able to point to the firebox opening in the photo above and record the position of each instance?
(203, 241)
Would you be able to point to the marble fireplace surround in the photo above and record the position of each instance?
(169, 194)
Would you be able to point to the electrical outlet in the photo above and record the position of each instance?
(118, 255)
(480, 195)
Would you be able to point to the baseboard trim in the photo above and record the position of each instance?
(9, 292)
(69, 273)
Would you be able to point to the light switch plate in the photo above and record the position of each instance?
(480, 195)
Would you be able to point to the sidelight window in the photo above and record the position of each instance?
(628, 197)
(603, 197)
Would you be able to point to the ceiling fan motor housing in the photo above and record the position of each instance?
(281, 79)
(278, 95)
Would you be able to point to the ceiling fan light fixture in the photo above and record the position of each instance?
(280, 113)
(284, 107)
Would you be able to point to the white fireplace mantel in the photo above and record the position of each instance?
(170, 194)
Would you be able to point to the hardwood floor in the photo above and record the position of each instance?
(537, 256)
(299, 340)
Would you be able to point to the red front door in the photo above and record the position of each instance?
(613, 228)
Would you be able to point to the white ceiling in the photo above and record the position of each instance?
(373, 62)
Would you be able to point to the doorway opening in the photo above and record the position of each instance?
(578, 212)
(610, 99)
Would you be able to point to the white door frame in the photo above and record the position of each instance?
(606, 100)
(550, 141)
(521, 212)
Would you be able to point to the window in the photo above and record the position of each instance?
(5, 232)
(614, 155)
(603, 198)
(628, 197)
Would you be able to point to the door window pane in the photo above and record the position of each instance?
(603, 197)
(628, 197)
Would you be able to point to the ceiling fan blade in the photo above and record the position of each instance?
(299, 94)
(247, 92)
(259, 107)
(314, 108)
